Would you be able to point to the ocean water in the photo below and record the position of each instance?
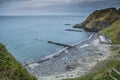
(26, 36)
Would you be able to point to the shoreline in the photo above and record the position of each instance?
(55, 67)
(65, 48)
(60, 51)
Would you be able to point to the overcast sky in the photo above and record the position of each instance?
(54, 7)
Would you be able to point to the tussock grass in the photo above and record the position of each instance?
(10, 69)
(113, 31)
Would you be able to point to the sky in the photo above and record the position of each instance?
(54, 7)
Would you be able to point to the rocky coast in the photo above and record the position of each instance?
(71, 62)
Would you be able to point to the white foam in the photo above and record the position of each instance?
(34, 65)
(54, 54)
(84, 46)
(91, 36)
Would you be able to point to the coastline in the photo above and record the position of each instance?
(55, 66)
(91, 34)
(62, 50)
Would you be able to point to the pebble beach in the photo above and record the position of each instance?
(71, 62)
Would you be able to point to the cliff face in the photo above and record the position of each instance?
(10, 69)
(100, 19)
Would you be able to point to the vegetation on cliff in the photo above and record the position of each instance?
(107, 21)
(10, 69)
(113, 31)
(100, 19)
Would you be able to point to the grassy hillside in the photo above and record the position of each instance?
(100, 19)
(113, 31)
(106, 20)
(10, 69)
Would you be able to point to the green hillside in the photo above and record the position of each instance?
(10, 69)
(113, 31)
(100, 19)
(107, 21)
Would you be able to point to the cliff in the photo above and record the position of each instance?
(113, 31)
(106, 21)
(10, 69)
(100, 19)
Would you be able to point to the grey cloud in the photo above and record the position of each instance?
(54, 6)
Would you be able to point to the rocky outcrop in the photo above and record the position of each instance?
(100, 19)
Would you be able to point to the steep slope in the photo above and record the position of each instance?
(113, 31)
(100, 19)
(10, 69)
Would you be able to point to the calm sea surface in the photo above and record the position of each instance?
(26, 36)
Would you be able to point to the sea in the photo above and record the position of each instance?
(26, 37)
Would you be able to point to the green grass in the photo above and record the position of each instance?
(114, 48)
(10, 69)
(102, 18)
(113, 31)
